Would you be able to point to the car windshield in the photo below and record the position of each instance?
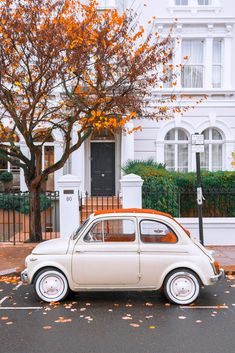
(80, 228)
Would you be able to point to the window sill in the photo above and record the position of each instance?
(195, 9)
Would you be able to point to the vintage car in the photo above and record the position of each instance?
(126, 249)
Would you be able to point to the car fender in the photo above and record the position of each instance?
(205, 280)
(65, 269)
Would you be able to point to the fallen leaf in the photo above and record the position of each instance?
(135, 325)
(152, 327)
(128, 305)
(4, 318)
(9, 323)
(167, 304)
(148, 304)
(198, 321)
(82, 309)
(181, 317)
(148, 317)
(47, 327)
(126, 318)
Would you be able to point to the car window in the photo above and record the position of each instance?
(156, 232)
(112, 230)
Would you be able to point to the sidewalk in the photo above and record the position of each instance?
(12, 257)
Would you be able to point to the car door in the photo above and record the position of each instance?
(160, 247)
(108, 254)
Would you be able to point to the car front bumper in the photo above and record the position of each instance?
(24, 276)
(218, 277)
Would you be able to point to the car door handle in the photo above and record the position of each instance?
(79, 251)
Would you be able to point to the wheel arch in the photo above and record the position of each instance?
(184, 266)
(51, 267)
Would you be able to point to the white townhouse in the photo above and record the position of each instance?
(205, 32)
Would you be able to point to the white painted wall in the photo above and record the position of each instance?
(217, 231)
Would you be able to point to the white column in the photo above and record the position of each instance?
(78, 164)
(227, 63)
(127, 145)
(69, 186)
(131, 186)
(58, 150)
(208, 63)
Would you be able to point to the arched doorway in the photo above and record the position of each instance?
(102, 150)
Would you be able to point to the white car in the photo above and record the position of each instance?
(126, 249)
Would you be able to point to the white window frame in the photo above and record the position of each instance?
(211, 142)
(192, 63)
(221, 64)
(176, 144)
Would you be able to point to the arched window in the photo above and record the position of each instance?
(176, 150)
(212, 158)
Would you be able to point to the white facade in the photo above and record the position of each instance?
(205, 33)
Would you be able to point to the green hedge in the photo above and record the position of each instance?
(20, 202)
(175, 192)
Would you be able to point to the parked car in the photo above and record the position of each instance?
(126, 249)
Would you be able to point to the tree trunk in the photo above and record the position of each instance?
(35, 227)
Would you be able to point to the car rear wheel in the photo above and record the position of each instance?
(182, 286)
(51, 285)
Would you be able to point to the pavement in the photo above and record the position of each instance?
(12, 257)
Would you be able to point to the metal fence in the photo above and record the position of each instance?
(15, 218)
(90, 204)
(217, 202)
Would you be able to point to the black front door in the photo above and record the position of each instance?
(102, 168)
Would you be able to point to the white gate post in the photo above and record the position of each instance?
(131, 186)
(69, 186)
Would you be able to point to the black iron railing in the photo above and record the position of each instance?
(15, 217)
(90, 204)
(217, 202)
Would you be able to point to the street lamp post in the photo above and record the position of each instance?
(198, 147)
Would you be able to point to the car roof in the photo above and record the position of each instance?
(132, 210)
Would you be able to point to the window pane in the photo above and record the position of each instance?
(216, 135)
(217, 51)
(156, 232)
(216, 157)
(95, 234)
(182, 135)
(182, 157)
(181, 2)
(216, 76)
(193, 49)
(206, 134)
(192, 76)
(114, 230)
(119, 230)
(169, 156)
(205, 158)
(204, 2)
(170, 135)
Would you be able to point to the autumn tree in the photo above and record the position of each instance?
(66, 66)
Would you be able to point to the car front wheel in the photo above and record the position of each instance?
(182, 286)
(51, 285)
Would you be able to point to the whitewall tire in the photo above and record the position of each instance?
(182, 286)
(51, 285)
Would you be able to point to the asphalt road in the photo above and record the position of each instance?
(127, 322)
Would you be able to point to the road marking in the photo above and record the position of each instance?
(3, 299)
(18, 286)
(21, 308)
(205, 307)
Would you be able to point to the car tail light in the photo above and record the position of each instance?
(217, 267)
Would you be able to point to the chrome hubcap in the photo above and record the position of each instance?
(182, 287)
(51, 286)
